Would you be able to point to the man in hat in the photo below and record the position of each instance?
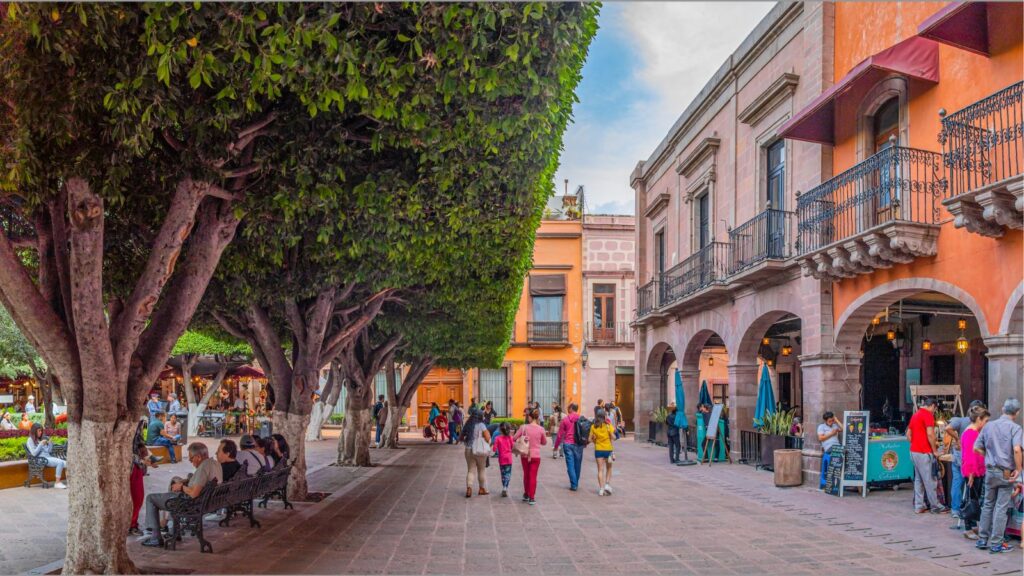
(30, 406)
(153, 406)
(172, 403)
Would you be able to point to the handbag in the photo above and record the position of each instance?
(522, 445)
(971, 508)
(480, 446)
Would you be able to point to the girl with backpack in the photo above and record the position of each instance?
(503, 447)
(477, 441)
(602, 434)
(527, 442)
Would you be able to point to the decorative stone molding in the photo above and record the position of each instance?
(877, 248)
(657, 205)
(777, 93)
(705, 150)
(991, 209)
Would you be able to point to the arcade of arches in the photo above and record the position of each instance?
(905, 333)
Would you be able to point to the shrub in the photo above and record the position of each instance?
(13, 448)
(52, 432)
(336, 419)
(513, 422)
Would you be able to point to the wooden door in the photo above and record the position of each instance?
(439, 392)
(624, 398)
(604, 313)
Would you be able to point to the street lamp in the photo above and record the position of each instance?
(584, 356)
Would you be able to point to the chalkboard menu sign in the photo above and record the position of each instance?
(834, 472)
(855, 444)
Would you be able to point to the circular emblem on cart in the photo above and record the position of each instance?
(890, 460)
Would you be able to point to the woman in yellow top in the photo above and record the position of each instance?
(601, 434)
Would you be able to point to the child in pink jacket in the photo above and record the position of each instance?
(502, 444)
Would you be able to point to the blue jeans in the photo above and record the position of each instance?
(825, 459)
(451, 433)
(380, 430)
(57, 463)
(166, 443)
(956, 484)
(573, 463)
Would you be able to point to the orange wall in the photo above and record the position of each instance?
(988, 269)
(552, 252)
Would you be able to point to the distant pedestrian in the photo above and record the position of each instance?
(441, 424)
(534, 434)
(673, 435)
(554, 422)
(453, 421)
(1000, 443)
(566, 438)
(154, 406)
(598, 406)
(431, 417)
(923, 448)
(602, 434)
(377, 408)
(502, 444)
(972, 467)
(828, 435)
(173, 406)
(30, 406)
(477, 442)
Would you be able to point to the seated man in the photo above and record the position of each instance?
(206, 469)
(156, 435)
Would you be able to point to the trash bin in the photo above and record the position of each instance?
(788, 467)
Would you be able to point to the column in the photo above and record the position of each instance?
(831, 383)
(742, 402)
(1005, 364)
(647, 397)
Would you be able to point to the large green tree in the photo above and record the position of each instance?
(19, 358)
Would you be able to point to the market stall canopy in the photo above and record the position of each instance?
(915, 57)
(247, 372)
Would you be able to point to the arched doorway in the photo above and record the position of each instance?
(652, 391)
(706, 361)
(909, 336)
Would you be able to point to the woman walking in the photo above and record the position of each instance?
(973, 470)
(536, 438)
(601, 434)
(477, 441)
(503, 446)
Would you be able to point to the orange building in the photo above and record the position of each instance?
(919, 230)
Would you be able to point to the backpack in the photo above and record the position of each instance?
(581, 431)
(457, 417)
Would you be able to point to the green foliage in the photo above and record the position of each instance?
(660, 415)
(336, 419)
(513, 422)
(207, 343)
(16, 353)
(12, 449)
(778, 422)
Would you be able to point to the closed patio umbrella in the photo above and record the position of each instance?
(705, 398)
(765, 398)
(681, 420)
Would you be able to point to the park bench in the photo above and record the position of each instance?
(276, 486)
(37, 464)
(235, 496)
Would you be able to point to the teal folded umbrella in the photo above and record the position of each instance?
(705, 398)
(765, 398)
(681, 420)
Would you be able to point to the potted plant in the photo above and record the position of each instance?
(657, 432)
(774, 429)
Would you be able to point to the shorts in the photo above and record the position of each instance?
(602, 453)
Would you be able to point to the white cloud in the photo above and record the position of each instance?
(679, 46)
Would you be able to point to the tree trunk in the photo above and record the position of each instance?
(354, 447)
(293, 428)
(47, 390)
(99, 499)
(389, 437)
(316, 421)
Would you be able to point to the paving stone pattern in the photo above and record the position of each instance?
(410, 516)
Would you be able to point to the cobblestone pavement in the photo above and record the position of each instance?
(410, 516)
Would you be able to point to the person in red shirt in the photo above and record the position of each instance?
(923, 448)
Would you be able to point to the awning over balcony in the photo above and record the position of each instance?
(960, 24)
(915, 57)
(547, 284)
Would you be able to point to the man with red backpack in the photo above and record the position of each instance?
(573, 435)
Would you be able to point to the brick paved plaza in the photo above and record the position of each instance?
(409, 516)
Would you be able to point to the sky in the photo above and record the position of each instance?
(647, 62)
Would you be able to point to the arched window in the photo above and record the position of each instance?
(886, 124)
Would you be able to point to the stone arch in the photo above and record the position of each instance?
(1013, 315)
(851, 325)
(657, 357)
(691, 353)
(750, 339)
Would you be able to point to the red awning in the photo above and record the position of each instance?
(960, 24)
(914, 57)
(247, 372)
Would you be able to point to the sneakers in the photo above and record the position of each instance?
(940, 510)
(573, 488)
(532, 501)
(600, 492)
(60, 486)
(921, 511)
(981, 544)
(955, 514)
(970, 535)
(134, 531)
(1002, 547)
(525, 497)
(504, 493)
(608, 489)
(156, 459)
(152, 543)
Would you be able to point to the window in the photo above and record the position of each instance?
(380, 383)
(547, 308)
(886, 124)
(885, 127)
(720, 393)
(494, 388)
(777, 175)
(659, 252)
(604, 313)
(546, 387)
(703, 221)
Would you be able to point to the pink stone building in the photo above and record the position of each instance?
(720, 296)
(609, 291)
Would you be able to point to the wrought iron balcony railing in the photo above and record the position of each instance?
(705, 267)
(616, 333)
(647, 298)
(984, 142)
(768, 236)
(547, 332)
(897, 184)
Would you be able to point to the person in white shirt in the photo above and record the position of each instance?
(828, 435)
(30, 406)
(172, 403)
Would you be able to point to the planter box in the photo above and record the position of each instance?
(14, 473)
(769, 444)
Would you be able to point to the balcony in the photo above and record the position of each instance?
(647, 299)
(619, 334)
(761, 246)
(982, 152)
(696, 280)
(881, 212)
(555, 334)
